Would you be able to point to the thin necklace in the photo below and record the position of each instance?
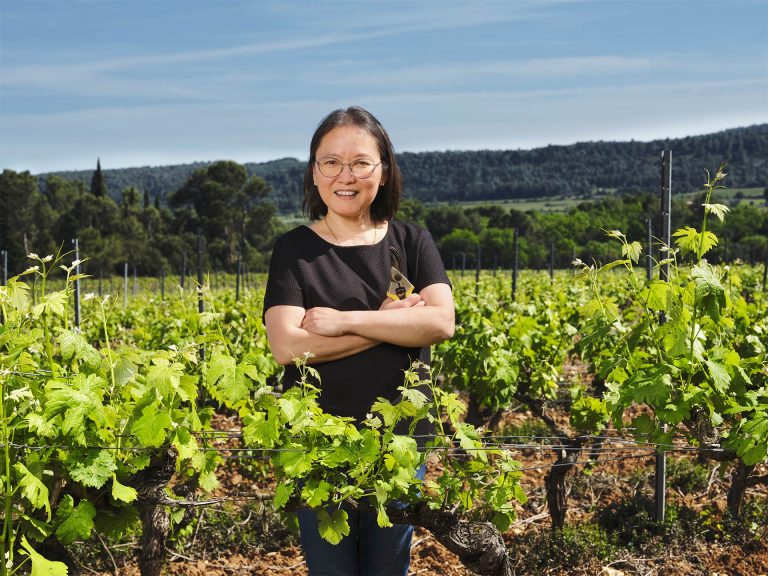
(375, 232)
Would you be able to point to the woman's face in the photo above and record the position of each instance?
(346, 195)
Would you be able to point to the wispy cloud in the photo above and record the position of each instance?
(474, 72)
(51, 74)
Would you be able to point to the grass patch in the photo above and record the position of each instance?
(687, 475)
(533, 429)
(545, 552)
(231, 529)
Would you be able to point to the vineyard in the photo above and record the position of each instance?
(150, 435)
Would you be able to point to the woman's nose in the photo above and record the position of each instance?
(346, 173)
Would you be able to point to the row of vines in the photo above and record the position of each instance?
(107, 428)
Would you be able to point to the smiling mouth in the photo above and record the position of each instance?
(345, 193)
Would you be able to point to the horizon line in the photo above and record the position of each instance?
(288, 157)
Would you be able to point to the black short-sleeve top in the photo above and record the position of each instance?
(307, 271)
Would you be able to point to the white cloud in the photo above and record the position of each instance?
(290, 40)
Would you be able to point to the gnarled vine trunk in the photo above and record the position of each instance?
(557, 497)
(482, 416)
(740, 481)
(150, 484)
(479, 545)
(701, 428)
(567, 457)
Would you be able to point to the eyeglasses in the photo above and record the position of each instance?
(360, 168)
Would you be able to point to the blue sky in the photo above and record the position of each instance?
(149, 83)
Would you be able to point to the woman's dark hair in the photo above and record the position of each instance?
(388, 197)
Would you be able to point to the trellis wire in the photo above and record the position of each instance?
(454, 446)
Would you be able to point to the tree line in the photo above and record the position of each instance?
(236, 216)
(464, 234)
(579, 170)
(220, 203)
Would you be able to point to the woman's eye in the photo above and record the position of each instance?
(362, 163)
(329, 162)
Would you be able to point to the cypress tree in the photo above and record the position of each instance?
(98, 186)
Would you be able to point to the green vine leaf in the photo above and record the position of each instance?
(632, 250)
(33, 489)
(295, 460)
(91, 467)
(165, 377)
(40, 565)
(315, 492)
(710, 293)
(333, 527)
(75, 345)
(150, 428)
(78, 401)
(721, 379)
(54, 303)
(122, 492)
(74, 522)
(262, 428)
(405, 450)
(691, 241)
(658, 296)
(227, 380)
(719, 210)
(283, 492)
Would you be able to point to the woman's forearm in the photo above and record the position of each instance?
(287, 340)
(426, 319)
(409, 327)
(323, 348)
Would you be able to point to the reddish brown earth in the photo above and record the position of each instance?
(615, 485)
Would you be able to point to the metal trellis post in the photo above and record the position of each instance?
(552, 262)
(666, 237)
(77, 282)
(237, 279)
(183, 270)
(649, 257)
(765, 269)
(200, 301)
(478, 264)
(515, 264)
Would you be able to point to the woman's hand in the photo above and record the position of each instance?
(407, 302)
(330, 322)
(324, 321)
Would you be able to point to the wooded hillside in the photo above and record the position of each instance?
(578, 170)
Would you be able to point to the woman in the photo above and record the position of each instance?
(327, 295)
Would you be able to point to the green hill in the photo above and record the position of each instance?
(580, 170)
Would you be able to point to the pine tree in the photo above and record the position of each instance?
(98, 186)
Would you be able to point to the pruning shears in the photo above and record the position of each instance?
(399, 286)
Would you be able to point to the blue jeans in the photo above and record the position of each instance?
(368, 550)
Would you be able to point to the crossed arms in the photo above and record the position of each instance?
(420, 320)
